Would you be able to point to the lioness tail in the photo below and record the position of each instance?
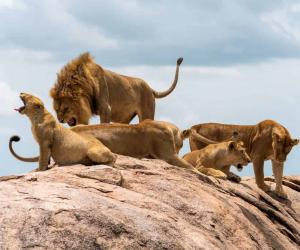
(185, 134)
(191, 132)
(16, 138)
(168, 91)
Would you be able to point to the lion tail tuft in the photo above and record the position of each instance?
(179, 60)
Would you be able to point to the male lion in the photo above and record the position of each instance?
(65, 146)
(148, 139)
(216, 159)
(84, 88)
(267, 140)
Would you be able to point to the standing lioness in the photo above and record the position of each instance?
(84, 88)
(267, 140)
(65, 146)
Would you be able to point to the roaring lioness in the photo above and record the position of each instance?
(267, 140)
(148, 139)
(83, 88)
(216, 159)
(65, 146)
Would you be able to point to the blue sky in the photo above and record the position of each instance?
(241, 59)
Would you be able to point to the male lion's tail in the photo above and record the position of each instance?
(167, 92)
(16, 139)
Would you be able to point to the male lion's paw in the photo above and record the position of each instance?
(282, 194)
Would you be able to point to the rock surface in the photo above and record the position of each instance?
(143, 204)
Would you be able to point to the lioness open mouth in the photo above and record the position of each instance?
(22, 108)
(72, 122)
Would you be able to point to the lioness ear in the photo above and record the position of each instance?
(232, 145)
(295, 142)
(235, 135)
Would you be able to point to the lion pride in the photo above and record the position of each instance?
(267, 140)
(84, 88)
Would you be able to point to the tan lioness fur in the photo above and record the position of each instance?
(216, 159)
(148, 139)
(267, 140)
(65, 146)
(84, 88)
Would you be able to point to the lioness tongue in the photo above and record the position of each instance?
(20, 109)
(71, 122)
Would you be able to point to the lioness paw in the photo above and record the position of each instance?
(282, 194)
(235, 178)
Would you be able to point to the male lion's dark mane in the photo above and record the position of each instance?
(75, 80)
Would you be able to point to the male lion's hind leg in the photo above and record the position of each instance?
(101, 155)
(278, 172)
(147, 109)
(258, 165)
(212, 172)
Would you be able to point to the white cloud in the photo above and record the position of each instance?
(86, 35)
(26, 55)
(285, 21)
(8, 99)
(12, 4)
(205, 32)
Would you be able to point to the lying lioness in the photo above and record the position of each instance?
(83, 88)
(65, 146)
(216, 159)
(148, 139)
(267, 140)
